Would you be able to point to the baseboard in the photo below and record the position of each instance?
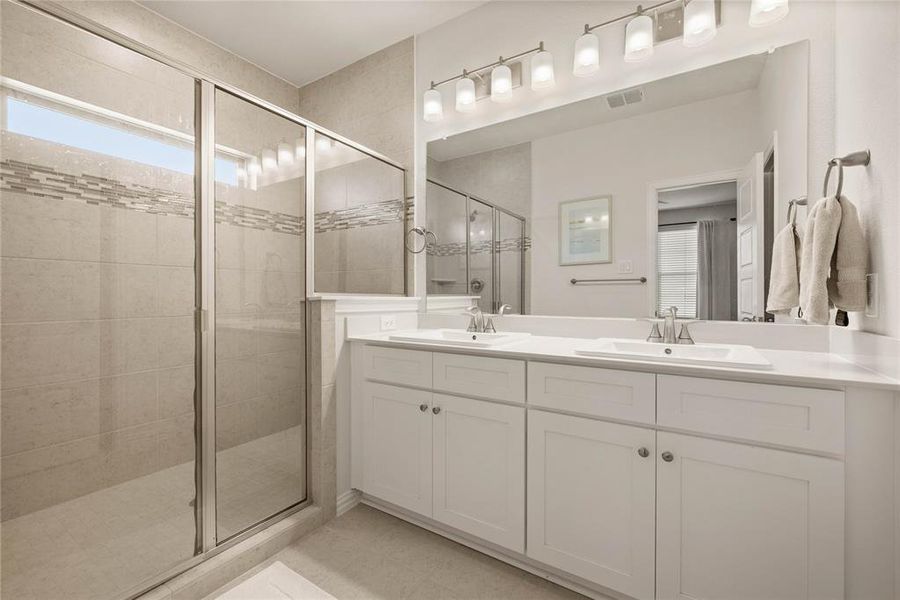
(348, 500)
(519, 561)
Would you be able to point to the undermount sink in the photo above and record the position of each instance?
(726, 355)
(459, 337)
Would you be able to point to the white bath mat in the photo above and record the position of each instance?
(276, 582)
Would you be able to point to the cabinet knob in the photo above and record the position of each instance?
(668, 456)
(436, 410)
(643, 452)
(423, 407)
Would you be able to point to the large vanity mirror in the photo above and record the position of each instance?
(623, 205)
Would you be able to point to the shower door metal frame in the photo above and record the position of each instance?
(206, 86)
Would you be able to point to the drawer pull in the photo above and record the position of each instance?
(643, 452)
(436, 410)
(423, 407)
(668, 456)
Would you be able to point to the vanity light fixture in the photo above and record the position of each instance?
(587, 54)
(433, 109)
(699, 22)
(465, 94)
(542, 75)
(639, 37)
(501, 83)
(766, 12)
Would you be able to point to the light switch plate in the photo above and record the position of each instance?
(388, 322)
(626, 266)
(872, 295)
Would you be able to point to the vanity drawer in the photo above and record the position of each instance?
(591, 391)
(479, 376)
(395, 365)
(790, 416)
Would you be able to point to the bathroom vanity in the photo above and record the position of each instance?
(642, 479)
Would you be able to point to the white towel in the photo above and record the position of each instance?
(784, 280)
(847, 284)
(819, 239)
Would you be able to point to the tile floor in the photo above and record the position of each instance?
(367, 554)
(98, 546)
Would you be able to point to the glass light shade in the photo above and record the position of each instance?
(542, 75)
(699, 22)
(285, 154)
(253, 167)
(639, 38)
(766, 12)
(501, 84)
(465, 95)
(587, 55)
(269, 161)
(433, 106)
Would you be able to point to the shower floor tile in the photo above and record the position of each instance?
(103, 544)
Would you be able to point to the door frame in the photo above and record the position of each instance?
(653, 190)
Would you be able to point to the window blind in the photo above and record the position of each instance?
(676, 261)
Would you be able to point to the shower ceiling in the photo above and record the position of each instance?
(303, 41)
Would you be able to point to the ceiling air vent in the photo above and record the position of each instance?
(620, 99)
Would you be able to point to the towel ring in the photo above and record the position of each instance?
(834, 162)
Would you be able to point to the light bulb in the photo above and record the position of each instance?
(433, 109)
(285, 154)
(269, 161)
(587, 55)
(639, 38)
(699, 22)
(501, 84)
(465, 95)
(766, 12)
(542, 75)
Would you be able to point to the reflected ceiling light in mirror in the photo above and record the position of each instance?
(433, 105)
(639, 38)
(699, 22)
(269, 161)
(587, 54)
(501, 83)
(465, 94)
(766, 12)
(285, 154)
(542, 75)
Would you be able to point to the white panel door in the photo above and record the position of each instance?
(591, 500)
(750, 222)
(746, 523)
(479, 469)
(397, 450)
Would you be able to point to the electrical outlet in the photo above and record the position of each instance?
(388, 322)
(872, 295)
(625, 266)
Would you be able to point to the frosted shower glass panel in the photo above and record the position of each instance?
(97, 218)
(360, 214)
(447, 260)
(260, 316)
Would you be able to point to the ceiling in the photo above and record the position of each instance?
(701, 195)
(718, 80)
(303, 41)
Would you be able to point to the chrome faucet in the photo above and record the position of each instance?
(476, 323)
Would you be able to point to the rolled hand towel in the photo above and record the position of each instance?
(847, 283)
(784, 281)
(819, 239)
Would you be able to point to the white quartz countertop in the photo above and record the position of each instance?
(819, 369)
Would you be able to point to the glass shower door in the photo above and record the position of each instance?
(97, 213)
(260, 314)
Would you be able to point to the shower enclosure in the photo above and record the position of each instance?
(156, 262)
(474, 248)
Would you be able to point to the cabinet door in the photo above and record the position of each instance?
(740, 522)
(591, 500)
(397, 449)
(479, 469)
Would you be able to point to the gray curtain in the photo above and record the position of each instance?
(716, 270)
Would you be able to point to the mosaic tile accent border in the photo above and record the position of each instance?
(482, 247)
(46, 182)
